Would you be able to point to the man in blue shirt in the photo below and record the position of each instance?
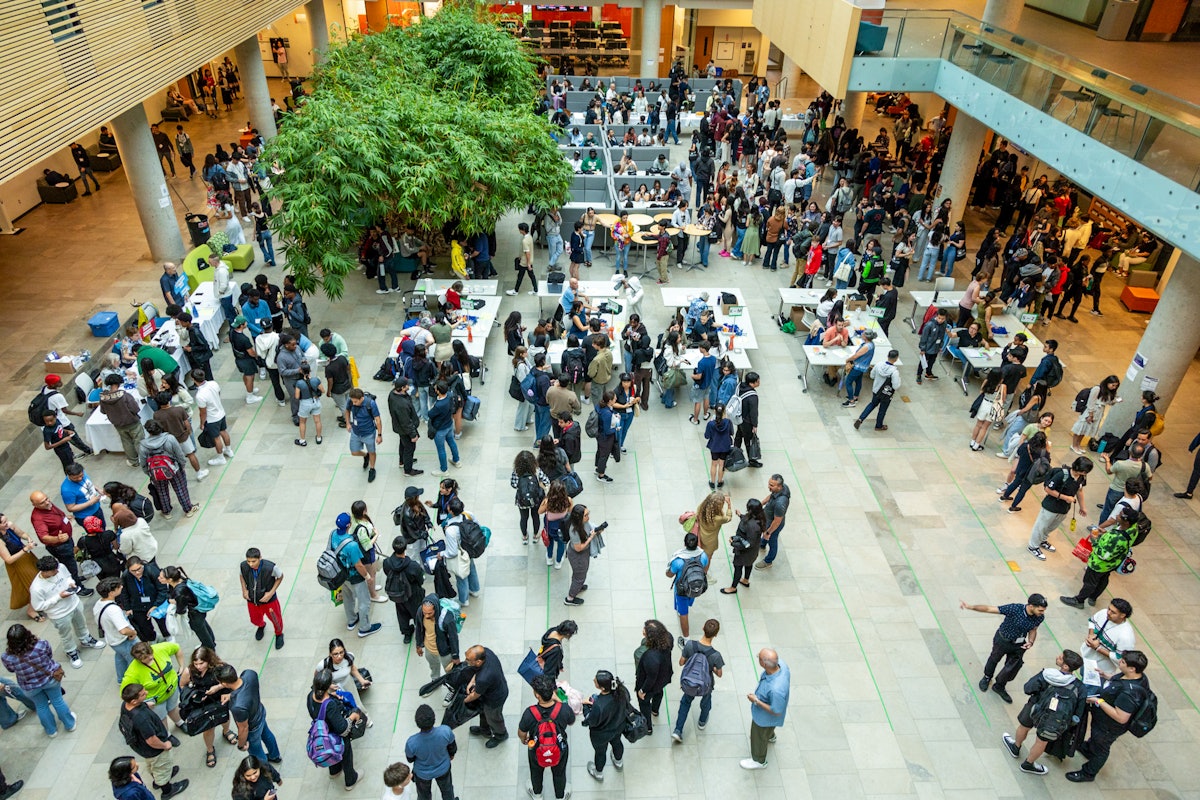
(1016, 634)
(174, 286)
(702, 380)
(366, 429)
(482, 253)
(429, 751)
(356, 592)
(80, 496)
(768, 706)
(257, 312)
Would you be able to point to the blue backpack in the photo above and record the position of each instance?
(324, 747)
(529, 386)
(206, 596)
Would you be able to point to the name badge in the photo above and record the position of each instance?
(144, 599)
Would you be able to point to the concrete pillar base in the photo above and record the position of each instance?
(144, 170)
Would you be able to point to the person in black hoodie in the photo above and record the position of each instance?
(887, 301)
(404, 585)
(142, 592)
(324, 694)
(569, 438)
(337, 374)
(654, 670)
(405, 424)
(748, 431)
(604, 716)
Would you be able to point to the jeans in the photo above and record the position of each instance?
(589, 237)
(772, 545)
(440, 440)
(525, 411)
(356, 602)
(421, 401)
(227, 307)
(668, 398)
(877, 401)
(928, 262)
(556, 550)
(468, 584)
(555, 243)
(8, 717)
(948, 259)
(49, 697)
(1021, 485)
(685, 705)
(737, 242)
(541, 415)
(626, 422)
(771, 259)
(268, 249)
(261, 735)
(703, 246)
(672, 131)
(1110, 500)
(622, 264)
(854, 379)
(86, 172)
(122, 658)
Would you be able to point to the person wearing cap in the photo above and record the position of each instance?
(245, 357)
(1016, 634)
(405, 424)
(405, 581)
(57, 403)
(355, 593)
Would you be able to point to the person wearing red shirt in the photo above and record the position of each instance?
(454, 297)
(53, 527)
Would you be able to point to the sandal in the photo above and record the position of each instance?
(210, 759)
(40, 617)
(231, 737)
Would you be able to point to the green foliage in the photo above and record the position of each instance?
(424, 125)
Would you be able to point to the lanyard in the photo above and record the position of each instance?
(138, 581)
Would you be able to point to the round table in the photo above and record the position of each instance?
(641, 220)
(663, 217)
(654, 229)
(606, 221)
(695, 230)
(646, 239)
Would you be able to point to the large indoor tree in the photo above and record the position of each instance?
(428, 125)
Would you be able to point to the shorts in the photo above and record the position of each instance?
(165, 707)
(1025, 718)
(188, 445)
(213, 429)
(696, 394)
(362, 444)
(246, 367)
(719, 456)
(683, 604)
(311, 408)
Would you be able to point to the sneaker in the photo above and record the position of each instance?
(1037, 553)
(530, 792)
(1034, 768)
(679, 640)
(219, 461)
(258, 634)
(201, 475)
(1001, 455)
(456, 464)
(74, 723)
(549, 561)
(984, 682)
(76, 661)
(1011, 744)
(1014, 509)
(1184, 495)
(532, 292)
(1004, 695)
(618, 763)
(300, 443)
(1098, 313)
(567, 601)
(373, 629)
(85, 592)
(371, 475)
(449, 697)
(1049, 548)
(381, 291)
(95, 644)
(677, 736)
(349, 625)
(511, 292)
(279, 641)
(558, 565)
(191, 512)
(595, 773)
(167, 515)
(1071, 601)
(1079, 776)
(701, 725)
(281, 403)
(750, 763)
(21, 712)
(251, 399)
(762, 565)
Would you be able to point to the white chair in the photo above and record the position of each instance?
(943, 284)
(810, 317)
(85, 384)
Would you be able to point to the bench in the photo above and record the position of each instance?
(56, 194)
(1137, 298)
(107, 161)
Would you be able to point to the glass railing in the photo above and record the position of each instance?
(1151, 127)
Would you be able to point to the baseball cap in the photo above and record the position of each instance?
(411, 492)
(53, 380)
(343, 521)
(400, 382)
(239, 321)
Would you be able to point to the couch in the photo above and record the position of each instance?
(175, 114)
(104, 162)
(56, 194)
(871, 37)
(240, 260)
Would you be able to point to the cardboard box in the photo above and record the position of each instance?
(60, 366)
(798, 318)
(855, 305)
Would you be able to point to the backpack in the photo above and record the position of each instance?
(696, 678)
(592, 426)
(529, 387)
(1025, 396)
(1144, 526)
(691, 580)
(449, 605)
(220, 182)
(398, 587)
(1054, 711)
(1081, 399)
(733, 409)
(324, 747)
(547, 748)
(1039, 470)
(529, 492)
(1145, 718)
(472, 538)
(162, 467)
(572, 367)
(206, 596)
(331, 572)
(1054, 373)
(38, 407)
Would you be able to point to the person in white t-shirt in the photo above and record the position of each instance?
(398, 782)
(1110, 633)
(112, 624)
(225, 288)
(212, 416)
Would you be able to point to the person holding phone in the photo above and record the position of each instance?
(579, 544)
(252, 781)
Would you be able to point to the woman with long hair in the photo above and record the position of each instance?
(340, 663)
(626, 397)
(554, 508)
(1100, 399)
(551, 652)
(551, 459)
(713, 512)
(989, 410)
(415, 523)
(126, 495)
(512, 331)
(579, 543)
(367, 537)
(654, 670)
(252, 781)
(1031, 403)
(324, 697)
(1027, 454)
(604, 716)
(933, 248)
(127, 784)
(521, 369)
(39, 676)
(718, 435)
(745, 544)
(176, 581)
(528, 480)
(21, 565)
(200, 675)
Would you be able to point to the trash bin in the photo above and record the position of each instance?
(1117, 19)
(198, 227)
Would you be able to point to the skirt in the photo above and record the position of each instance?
(21, 574)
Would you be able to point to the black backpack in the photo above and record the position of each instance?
(572, 367)
(471, 537)
(529, 492)
(1144, 526)
(1081, 399)
(38, 407)
(398, 587)
(1054, 711)
(1145, 718)
(691, 581)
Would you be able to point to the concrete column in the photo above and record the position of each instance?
(318, 28)
(962, 157)
(651, 33)
(790, 72)
(1168, 347)
(1003, 13)
(140, 159)
(254, 84)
